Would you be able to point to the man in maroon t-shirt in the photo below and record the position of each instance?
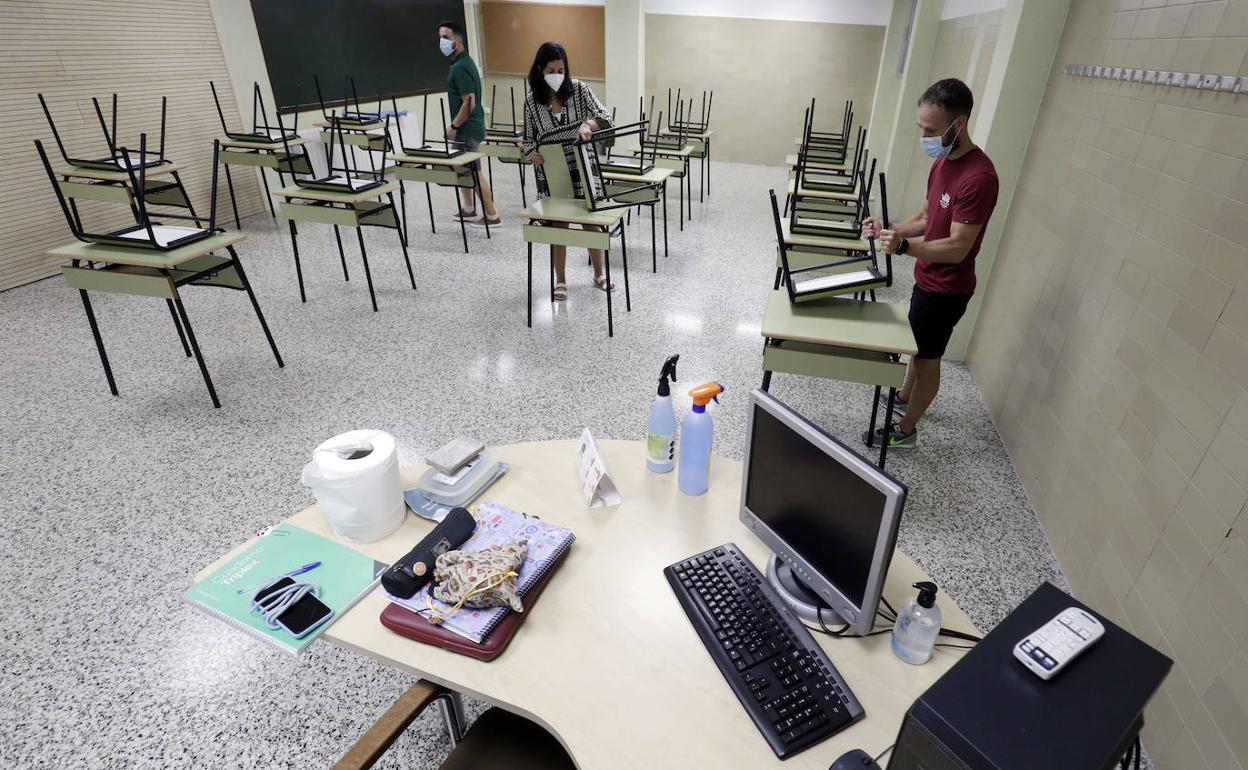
(961, 194)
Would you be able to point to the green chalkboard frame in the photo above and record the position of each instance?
(333, 39)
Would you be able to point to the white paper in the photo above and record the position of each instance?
(835, 281)
(596, 484)
(165, 234)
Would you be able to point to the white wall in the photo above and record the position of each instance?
(870, 12)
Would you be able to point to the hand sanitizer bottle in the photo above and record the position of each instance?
(696, 435)
(661, 427)
(918, 623)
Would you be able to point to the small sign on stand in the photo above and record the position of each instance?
(596, 482)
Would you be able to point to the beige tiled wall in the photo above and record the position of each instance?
(958, 41)
(764, 74)
(1113, 351)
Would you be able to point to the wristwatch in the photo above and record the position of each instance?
(455, 127)
(901, 247)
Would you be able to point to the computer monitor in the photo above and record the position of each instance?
(829, 516)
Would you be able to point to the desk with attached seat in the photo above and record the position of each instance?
(840, 339)
(678, 162)
(625, 181)
(343, 209)
(113, 186)
(505, 147)
(608, 662)
(453, 172)
(154, 273)
(263, 154)
(543, 220)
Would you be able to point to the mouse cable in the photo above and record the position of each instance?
(880, 756)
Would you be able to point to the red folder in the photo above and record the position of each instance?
(404, 622)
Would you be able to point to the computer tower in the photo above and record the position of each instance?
(989, 712)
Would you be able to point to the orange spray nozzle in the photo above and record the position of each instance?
(705, 393)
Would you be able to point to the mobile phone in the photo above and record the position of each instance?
(301, 618)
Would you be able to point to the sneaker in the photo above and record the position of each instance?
(899, 407)
(495, 221)
(897, 440)
(467, 216)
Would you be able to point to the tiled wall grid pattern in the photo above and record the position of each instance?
(1113, 351)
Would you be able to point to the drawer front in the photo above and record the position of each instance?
(845, 364)
(562, 236)
(325, 215)
(119, 279)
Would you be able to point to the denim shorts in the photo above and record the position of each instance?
(471, 145)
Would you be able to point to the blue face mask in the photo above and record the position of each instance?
(447, 46)
(935, 147)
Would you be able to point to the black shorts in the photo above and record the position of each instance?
(932, 318)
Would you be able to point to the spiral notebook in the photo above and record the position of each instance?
(497, 525)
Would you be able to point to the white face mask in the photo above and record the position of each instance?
(554, 80)
(447, 46)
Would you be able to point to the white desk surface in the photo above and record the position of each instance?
(462, 159)
(608, 661)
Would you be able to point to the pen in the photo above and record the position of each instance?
(292, 573)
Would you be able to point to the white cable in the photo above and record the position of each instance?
(273, 605)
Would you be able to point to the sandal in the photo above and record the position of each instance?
(601, 283)
(561, 292)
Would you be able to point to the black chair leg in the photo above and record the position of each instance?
(294, 243)
(99, 341)
(433, 228)
(255, 305)
(888, 422)
(359, 232)
(199, 356)
(463, 228)
(654, 250)
(178, 325)
(628, 302)
(403, 245)
(342, 255)
(190, 207)
(403, 204)
(267, 192)
(529, 306)
(665, 220)
(875, 409)
(766, 380)
(606, 257)
(229, 183)
(485, 217)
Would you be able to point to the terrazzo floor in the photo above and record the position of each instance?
(110, 505)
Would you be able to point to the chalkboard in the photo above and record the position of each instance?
(391, 43)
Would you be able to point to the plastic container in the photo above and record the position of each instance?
(355, 478)
(918, 624)
(661, 427)
(696, 436)
(461, 487)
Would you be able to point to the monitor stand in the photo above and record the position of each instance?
(803, 601)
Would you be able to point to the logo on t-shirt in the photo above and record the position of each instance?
(945, 200)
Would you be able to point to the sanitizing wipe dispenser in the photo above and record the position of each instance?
(355, 477)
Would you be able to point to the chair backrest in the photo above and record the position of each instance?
(134, 196)
(781, 248)
(586, 153)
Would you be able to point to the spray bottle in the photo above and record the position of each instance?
(695, 445)
(661, 428)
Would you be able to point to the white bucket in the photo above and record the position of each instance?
(355, 478)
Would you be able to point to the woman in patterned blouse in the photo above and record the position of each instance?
(556, 100)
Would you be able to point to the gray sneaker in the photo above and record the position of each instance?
(495, 221)
(896, 439)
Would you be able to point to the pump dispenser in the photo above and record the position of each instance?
(918, 623)
(695, 445)
(661, 428)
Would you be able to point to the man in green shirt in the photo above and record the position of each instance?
(463, 92)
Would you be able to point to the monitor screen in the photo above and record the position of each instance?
(821, 508)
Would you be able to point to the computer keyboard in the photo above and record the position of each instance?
(781, 676)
